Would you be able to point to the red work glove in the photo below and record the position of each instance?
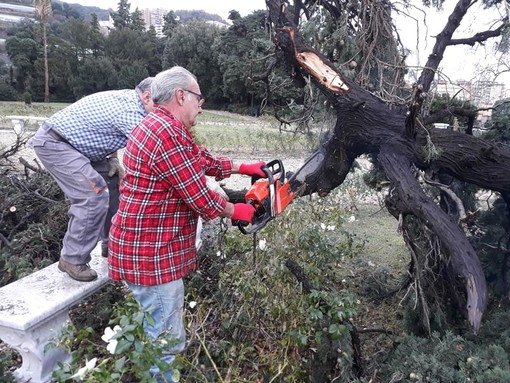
(243, 212)
(252, 169)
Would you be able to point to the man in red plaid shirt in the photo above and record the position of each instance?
(163, 193)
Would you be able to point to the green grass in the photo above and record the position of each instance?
(38, 109)
(41, 109)
(220, 131)
(217, 116)
(252, 138)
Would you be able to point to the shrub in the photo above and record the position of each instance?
(5, 362)
(27, 98)
(121, 354)
(447, 359)
(261, 322)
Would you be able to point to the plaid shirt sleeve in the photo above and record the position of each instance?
(220, 166)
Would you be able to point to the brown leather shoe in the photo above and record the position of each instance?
(82, 273)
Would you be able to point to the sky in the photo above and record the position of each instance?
(459, 63)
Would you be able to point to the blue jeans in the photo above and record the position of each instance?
(165, 303)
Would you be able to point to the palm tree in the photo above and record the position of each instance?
(43, 10)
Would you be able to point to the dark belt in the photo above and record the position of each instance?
(56, 136)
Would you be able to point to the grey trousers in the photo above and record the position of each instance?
(94, 196)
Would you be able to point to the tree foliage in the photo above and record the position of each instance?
(170, 23)
(121, 18)
(190, 47)
(24, 49)
(231, 61)
(499, 128)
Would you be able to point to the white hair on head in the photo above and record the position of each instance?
(165, 83)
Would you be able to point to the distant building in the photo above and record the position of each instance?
(156, 18)
(460, 89)
(483, 116)
(106, 25)
(488, 92)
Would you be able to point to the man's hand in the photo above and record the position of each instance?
(115, 167)
(243, 212)
(252, 169)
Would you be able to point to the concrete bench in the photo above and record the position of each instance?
(33, 310)
(19, 122)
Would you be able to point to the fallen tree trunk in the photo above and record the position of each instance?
(394, 136)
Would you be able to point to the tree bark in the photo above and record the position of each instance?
(46, 70)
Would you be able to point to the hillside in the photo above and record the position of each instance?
(82, 11)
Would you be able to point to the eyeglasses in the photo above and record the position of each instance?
(201, 99)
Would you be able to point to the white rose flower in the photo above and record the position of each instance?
(262, 244)
(112, 346)
(82, 372)
(107, 337)
(109, 333)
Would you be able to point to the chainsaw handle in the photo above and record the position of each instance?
(258, 222)
(270, 169)
(266, 211)
(267, 205)
(250, 228)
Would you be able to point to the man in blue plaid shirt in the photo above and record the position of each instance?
(78, 146)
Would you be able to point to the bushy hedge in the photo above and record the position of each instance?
(451, 358)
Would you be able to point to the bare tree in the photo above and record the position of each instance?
(43, 9)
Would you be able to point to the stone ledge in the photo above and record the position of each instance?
(18, 122)
(34, 309)
(37, 297)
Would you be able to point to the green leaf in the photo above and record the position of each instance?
(120, 363)
(124, 321)
(139, 346)
(303, 340)
(316, 314)
(123, 346)
(138, 317)
(129, 328)
(337, 330)
(150, 320)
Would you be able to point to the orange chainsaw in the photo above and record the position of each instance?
(269, 197)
